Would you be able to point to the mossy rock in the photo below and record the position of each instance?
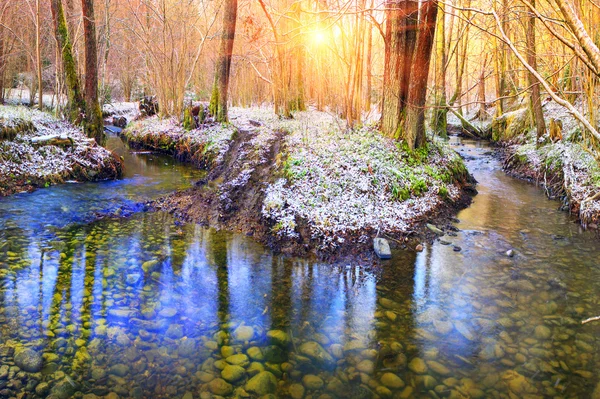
(9, 130)
(511, 125)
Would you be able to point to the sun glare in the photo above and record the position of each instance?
(319, 37)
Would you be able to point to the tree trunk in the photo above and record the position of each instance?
(2, 62)
(584, 39)
(401, 26)
(439, 117)
(218, 101)
(94, 126)
(536, 102)
(38, 48)
(75, 103)
(482, 113)
(417, 94)
(368, 65)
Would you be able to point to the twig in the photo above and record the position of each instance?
(592, 198)
(590, 319)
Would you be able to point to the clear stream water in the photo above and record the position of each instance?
(144, 307)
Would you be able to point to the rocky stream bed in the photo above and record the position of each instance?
(149, 307)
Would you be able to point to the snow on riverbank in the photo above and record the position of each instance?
(24, 166)
(335, 182)
(204, 146)
(566, 168)
(354, 182)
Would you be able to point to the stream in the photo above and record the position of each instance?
(146, 307)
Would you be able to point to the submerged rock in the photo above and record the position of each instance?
(296, 391)
(233, 373)
(175, 331)
(517, 383)
(29, 360)
(243, 333)
(418, 366)
(312, 382)
(219, 386)
(279, 337)
(542, 332)
(316, 353)
(392, 381)
(64, 389)
(262, 383)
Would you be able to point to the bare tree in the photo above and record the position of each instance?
(410, 36)
(38, 47)
(218, 101)
(75, 102)
(93, 125)
(536, 101)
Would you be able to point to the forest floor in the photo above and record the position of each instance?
(308, 185)
(25, 165)
(565, 169)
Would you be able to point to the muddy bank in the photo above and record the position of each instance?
(306, 187)
(37, 150)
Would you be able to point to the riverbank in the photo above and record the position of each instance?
(31, 156)
(308, 185)
(559, 162)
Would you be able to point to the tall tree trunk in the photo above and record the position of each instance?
(75, 102)
(94, 126)
(107, 44)
(439, 117)
(536, 102)
(401, 33)
(417, 93)
(218, 101)
(368, 65)
(503, 63)
(482, 113)
(2, 61)
(38, 48)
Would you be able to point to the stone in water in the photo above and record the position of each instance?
(382, 248)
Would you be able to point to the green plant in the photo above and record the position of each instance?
(443, 192)
(188, 120)
(400, 193)
(418, 187)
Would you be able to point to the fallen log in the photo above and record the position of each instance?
(60, 140)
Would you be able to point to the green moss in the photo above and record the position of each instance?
(443, 192)
(418, 187)
(400, 193)
(188, 119)
(76, 103)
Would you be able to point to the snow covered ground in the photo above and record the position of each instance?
(340, 182)
(24, 165)
(345, 182)
(205, 145)
(129, 110)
